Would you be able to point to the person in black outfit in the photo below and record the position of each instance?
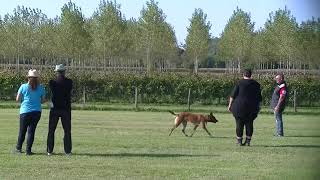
(244, 104)
(60, 108)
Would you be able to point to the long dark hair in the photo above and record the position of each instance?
(33, 82)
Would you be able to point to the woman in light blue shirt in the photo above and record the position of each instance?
(31, 95)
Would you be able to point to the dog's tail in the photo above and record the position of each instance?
(173, 113)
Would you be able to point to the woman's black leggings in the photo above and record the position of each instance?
(247, 122)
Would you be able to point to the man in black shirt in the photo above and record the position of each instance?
(244, 104)
(60, 108)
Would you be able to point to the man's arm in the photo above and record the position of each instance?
(280, 101)
(43, 95)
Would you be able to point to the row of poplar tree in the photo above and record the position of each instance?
(108, 39)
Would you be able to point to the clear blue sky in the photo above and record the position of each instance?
(179, 12)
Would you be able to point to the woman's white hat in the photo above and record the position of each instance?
(33, 73)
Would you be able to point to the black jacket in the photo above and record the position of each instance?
(247, 98)
(61, 93)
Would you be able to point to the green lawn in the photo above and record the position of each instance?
(136, 145)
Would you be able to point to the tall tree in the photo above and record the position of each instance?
(236, 39)
(74, 39)
(49, 40)
(281, 37)
(18, 34)
(109, 28)
(309, 40)
(213, 58)
(2, 39)
(158, 40)
(133, 35)
(258, 54)
(197, 41)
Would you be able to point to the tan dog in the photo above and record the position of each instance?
(196, 119)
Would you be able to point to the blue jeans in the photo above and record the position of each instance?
(28, 122)
(279, 123)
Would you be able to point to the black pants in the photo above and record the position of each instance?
(65, 116)
(245, 122)
(28, 121)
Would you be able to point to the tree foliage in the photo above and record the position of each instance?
(309, 40)
(280, 36)
(73, 37)
(237, 37)
(197, 41)
(107, 39)
(158, 41)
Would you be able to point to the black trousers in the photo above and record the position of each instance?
(28, 122)
(65, 116)
(245, 122)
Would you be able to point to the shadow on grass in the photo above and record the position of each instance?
(120, 155)
(140, 155)
(312, 136)
(222, 137)
(297, 146)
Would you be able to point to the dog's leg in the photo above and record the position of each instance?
(177, 122)
(194, 129)
(184, 123)
(205, 128)
(172, 129)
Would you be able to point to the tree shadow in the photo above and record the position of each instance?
(297, 146)
(311, 136)
(139, 155)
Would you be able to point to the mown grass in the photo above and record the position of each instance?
(196, 107)
(136, 145)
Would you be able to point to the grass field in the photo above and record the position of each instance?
(136, 145)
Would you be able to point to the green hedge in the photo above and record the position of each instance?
(164, 88)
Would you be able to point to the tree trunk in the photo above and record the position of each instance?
(196, 66)
(239, 65)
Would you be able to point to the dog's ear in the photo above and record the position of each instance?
(211, 114)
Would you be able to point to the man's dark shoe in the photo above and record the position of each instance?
(278, 135)
(18, 151)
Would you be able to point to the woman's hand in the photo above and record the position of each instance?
(230, 103)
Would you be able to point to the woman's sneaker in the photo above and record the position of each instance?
(29, 153)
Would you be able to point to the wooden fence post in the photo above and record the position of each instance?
(84, 96)
(189, 94)
(136, 98)
(295, 100)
